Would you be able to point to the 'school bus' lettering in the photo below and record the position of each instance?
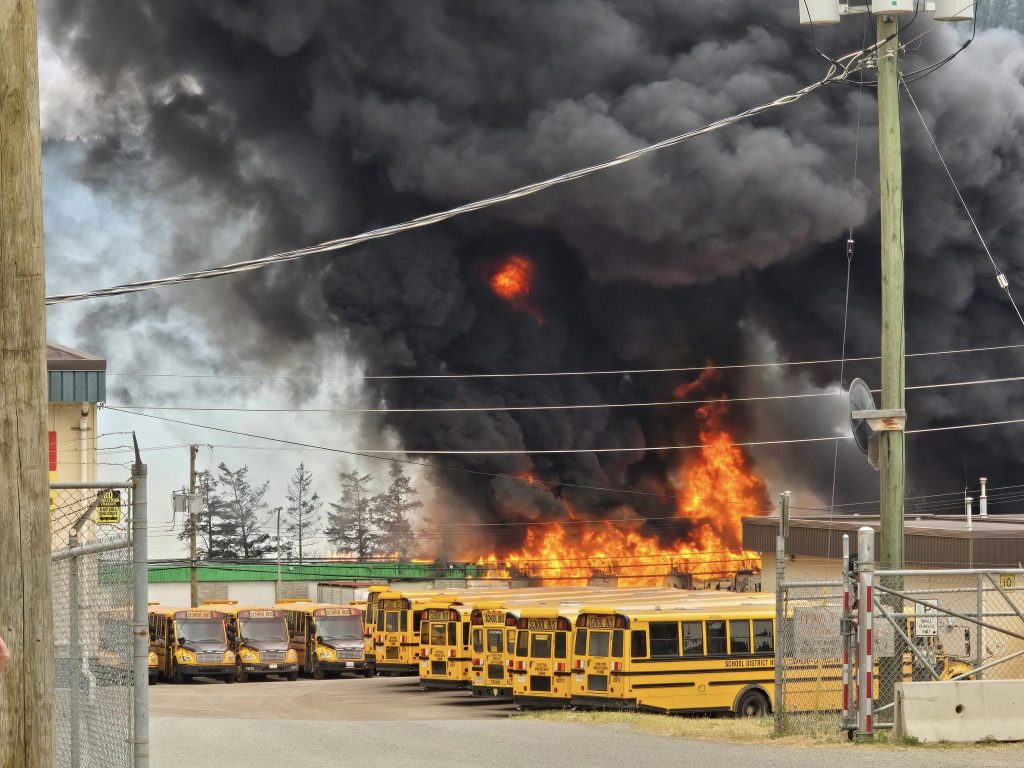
(260, 614)
(198, 615)
(439, 615)
(336, 612)
(598, 622)
(391, 605)
(542, 624)
(494, 617)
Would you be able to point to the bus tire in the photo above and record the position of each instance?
(318, 671)
(368, 673)
(292, 676)
(752, 703)
(241, 675)
(229, 678)
(177, 676)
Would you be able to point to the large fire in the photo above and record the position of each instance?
(714, 489)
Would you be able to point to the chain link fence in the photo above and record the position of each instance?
(93, 599)
(809, 658)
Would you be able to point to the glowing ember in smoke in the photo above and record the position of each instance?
(514, 278)
(715, 488)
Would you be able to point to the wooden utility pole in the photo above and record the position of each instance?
(891, 443)
(193, 566)
(26, 611)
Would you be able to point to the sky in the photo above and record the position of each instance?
(185, 135)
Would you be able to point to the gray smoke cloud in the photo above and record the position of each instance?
(255, 127)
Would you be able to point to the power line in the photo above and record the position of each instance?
(569, 407)
(541, 374)
(836, 71)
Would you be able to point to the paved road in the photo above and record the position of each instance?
(384, 723)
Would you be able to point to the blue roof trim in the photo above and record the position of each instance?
(77, 386)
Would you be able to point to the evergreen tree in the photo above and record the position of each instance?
(391, 511)
(350, 524)
(212, 539)
(243, 510)
(303, 509)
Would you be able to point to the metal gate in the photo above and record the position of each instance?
(98, 568)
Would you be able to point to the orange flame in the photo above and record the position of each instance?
(513, 280)
(715, 489)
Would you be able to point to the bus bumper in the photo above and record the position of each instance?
(384, 668)
(540, 702)
(495, 692)
(356, 667)
(602, 702)
(206, 670)
(443, 684)
(270, 669)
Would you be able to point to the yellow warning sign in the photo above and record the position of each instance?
(108, 511)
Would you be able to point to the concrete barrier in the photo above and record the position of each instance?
(962, 711)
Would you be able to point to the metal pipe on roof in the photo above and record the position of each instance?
(983, 502)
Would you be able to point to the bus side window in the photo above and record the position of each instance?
(560, 644)
(739, 637)
(716, 638)
(763, 640)
(424, 633)
(452, 633)
(465, 633)
(617, 643)
(478, 640)
(664, 639)
(580, 648)
(638, 643)
(510, 640)
(523, 642)
(405, 621)
(693, 638)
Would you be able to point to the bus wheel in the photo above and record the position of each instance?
(229, 678)
(752, 704)
(293, 676)
(318, 671)
(178, 677)
(368, 673)
(241, 675)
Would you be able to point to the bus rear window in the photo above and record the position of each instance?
(716, 638)
(390, 621)
(598, 644)
(580, 648)
(664, 639)
(494, 641)
(739, 637)
(693, 638)
(424, 634)
(763, 640)
(453, 633)
(522, 643)
(638, 643)
(540, 645)
(437, 634)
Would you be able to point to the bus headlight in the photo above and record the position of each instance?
(249, 655)
(326, 654)
(291, 655)
(152, 659)
(229, 657)
(186, 656)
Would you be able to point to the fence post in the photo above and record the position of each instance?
(140, 618)
(865, 659)
(75, 656)
(979, 652)
(778, 720)
(846, 629)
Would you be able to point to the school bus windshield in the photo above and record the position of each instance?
(339, 627)
(262, 630)
(200, 630)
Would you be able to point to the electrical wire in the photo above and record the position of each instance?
(840, 69)
(542, 374)
(1000, 277)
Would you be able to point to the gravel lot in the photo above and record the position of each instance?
(390, 722)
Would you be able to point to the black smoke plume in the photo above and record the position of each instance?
(296, 122)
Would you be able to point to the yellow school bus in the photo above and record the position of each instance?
(705, 657)
(444, 645)
(540, 665)
(259, 638)
(397, 633)
(325, 638)
(189, 642)
(370, 624)
(492, 640)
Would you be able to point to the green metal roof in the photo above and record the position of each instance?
(166, 574)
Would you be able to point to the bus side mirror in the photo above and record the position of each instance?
(320, 638)
(181, 641)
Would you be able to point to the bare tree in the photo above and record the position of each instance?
(303, 509)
